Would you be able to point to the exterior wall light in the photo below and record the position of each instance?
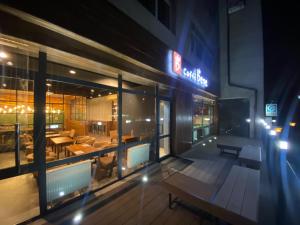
(283, 145)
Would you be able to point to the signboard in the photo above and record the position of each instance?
(271, 109)
(177, 67)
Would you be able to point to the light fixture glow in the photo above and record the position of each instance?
(273, 133)
(210, 140)
(248, 120)
(3, 55)
(9, 63)
(215, 138)
(77, 218)
(4, 85)
(207, 119)
(145, 179)
(61, 193)
(161, 119)
(148, 120)
(292, 124)
(127, 121)
(268, 127)
(298, 97)
(72, 72)
(99, 123)
(109, 93)
(274, 121)
(283, 145)
(278, 129)
(123, 168)
(92, 90)
(49, 85)
(203, 144)
(99, 95)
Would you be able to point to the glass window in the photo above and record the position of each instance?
(163, 12)
(164, 121)
(81, 118)
(203, 117)
(138, 124)
(16, 105)
(149, 4)
(164, 147)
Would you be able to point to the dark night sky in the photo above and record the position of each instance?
(281, 23)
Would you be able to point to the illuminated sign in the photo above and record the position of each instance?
(177, 63)
(176, 67)
(271, 109)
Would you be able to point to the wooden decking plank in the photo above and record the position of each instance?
(237, 196)
(224, 194)
(146, 213)
(129, 211)
(250, 205)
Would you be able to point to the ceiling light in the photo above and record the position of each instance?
(4, 85)
(99, 95)
(273, 133)
(49, 85)
(109, 93)
(274, 121)
(3, 55)
(292, 124)
(72, 72)
(92, 90)
(248, 120)
(9, 63)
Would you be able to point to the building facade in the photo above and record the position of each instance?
(108, 88)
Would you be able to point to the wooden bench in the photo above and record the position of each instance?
(236, 202)
(250, 156)
(224, 147)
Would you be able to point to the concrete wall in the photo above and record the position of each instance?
(196, 19)
(246, 55)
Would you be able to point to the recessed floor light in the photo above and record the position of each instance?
(77, 218)
(145, 179)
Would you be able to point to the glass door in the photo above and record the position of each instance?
(164, 128)
(18, 184)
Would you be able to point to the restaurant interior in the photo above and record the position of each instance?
(81, 112)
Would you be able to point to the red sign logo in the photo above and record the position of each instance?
(176, 59)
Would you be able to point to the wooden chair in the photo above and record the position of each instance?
(104, 166)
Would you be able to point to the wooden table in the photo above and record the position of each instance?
(60, 142)
(48, 136)
(250, 156)
(79, 149)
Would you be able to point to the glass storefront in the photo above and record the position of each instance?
(203, 118)
(96, 132)
(18, 69)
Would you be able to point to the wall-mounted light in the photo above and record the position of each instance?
(127, 121)
(248, 120)
(278, 129)
(99, 123)
(272, 133)
(292, 124)
(148, 120)
(283, 145)
(92, 90)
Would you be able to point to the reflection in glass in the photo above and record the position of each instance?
(164, 147)
(164, 120)
(16, 105)
(203, 118)
(138, 124)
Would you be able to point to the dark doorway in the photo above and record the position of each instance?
(234, 117)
